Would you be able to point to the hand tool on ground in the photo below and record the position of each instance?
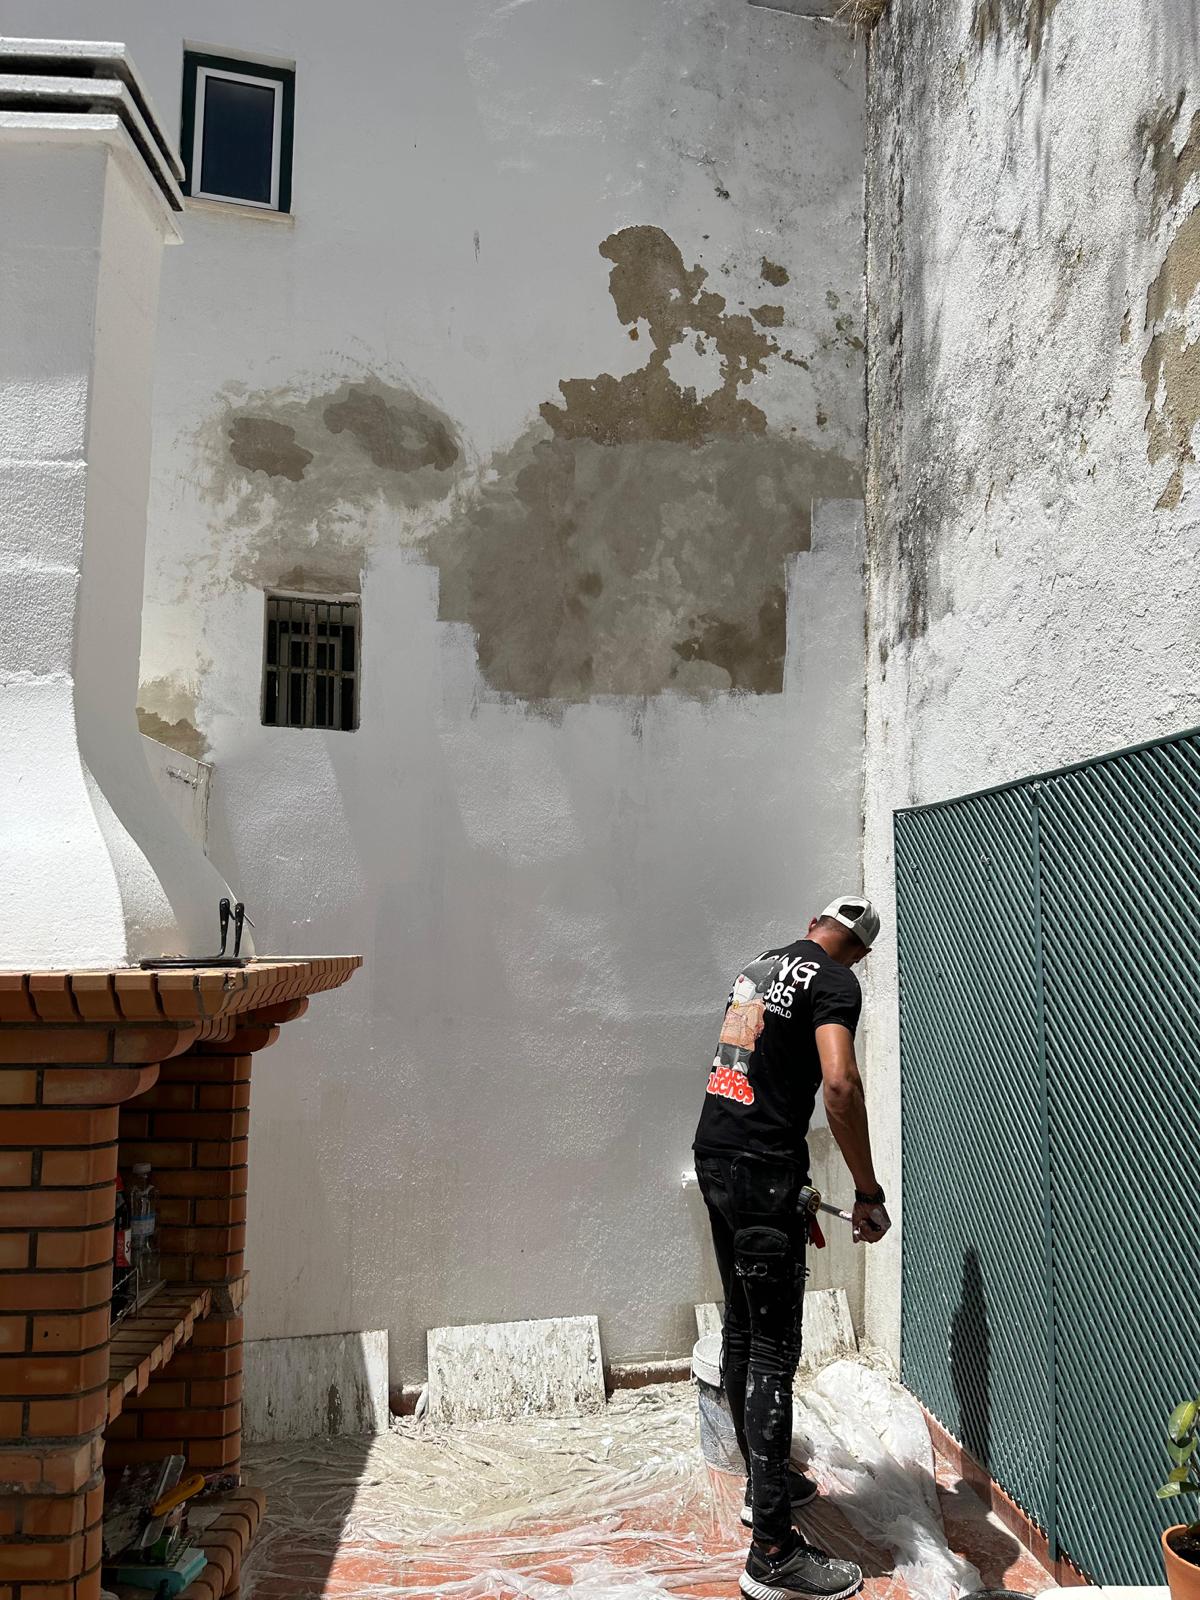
(162, 1507)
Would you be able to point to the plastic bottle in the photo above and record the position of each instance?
(143, 1207)
(122, 1289)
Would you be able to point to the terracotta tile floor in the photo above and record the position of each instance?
(342, 1524)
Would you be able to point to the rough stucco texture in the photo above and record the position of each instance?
(563, 341)
(1033, 388)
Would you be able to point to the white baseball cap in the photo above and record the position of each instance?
(857, 913)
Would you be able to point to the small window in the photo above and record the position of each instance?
(237, 131)
(310, 663)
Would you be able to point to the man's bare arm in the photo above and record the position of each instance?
(846, 1107)
(845, 1102)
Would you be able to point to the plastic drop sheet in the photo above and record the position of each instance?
(618, 1506)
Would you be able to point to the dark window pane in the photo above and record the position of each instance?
(321, 715)
(306, 680)
(239, 130)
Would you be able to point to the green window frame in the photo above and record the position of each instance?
(200, 68)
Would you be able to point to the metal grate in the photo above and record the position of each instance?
(974, 1335)
(1091, 1338)
(310, 663)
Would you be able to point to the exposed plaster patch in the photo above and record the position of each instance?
(369, 461)
(635, 540)
(588, 569)
(768, 316)
(771, 272)
(638, 541)
(399, 435)
(1171, 364)
(260, 445)
(649, 281)
(167, 712)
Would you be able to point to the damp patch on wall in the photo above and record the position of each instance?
(1171, 364)
(166, 711)
(299, 480)
(633, 539)
(636, 540)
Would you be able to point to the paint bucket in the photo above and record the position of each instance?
(718, 1441)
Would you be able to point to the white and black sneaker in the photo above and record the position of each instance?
(801, 1488)
(801, 1573)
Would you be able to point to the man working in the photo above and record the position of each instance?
(788, 1029)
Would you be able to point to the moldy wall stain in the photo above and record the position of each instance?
(634, 540)
(1171, 365)
(992, 19)
(637, 542)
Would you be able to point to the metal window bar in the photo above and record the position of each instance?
(310, 663)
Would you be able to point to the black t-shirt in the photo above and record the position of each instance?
(764, 1078)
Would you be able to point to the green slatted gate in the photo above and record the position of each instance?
(1049, 938)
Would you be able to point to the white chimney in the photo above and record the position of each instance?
(94, 871)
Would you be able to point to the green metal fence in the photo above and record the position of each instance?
(1049, 937)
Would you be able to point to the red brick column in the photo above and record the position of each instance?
(192, 1127)
(60, 1089)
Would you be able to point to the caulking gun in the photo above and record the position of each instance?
(810, 1201)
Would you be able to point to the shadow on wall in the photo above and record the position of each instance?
(970, 1361)
(317, 1397)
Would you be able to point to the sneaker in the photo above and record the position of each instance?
(800, 1486)
(801, 1573)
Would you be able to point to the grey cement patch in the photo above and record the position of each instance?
(167, 712)
(260, 445)
(299, 476)
(633, 541)
(591, 570)
(504, 1370)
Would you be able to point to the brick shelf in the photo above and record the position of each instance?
(98, 1071)
(147, 1339)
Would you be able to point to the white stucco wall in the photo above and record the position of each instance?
(1033, 365)
(552, 885)
(93, 871)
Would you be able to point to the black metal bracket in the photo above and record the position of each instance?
(220, 960)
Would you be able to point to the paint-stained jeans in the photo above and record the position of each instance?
(759, 1239)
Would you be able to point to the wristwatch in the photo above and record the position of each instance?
(876, 1199)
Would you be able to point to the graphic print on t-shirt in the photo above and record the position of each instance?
(763, 1081)
(767, 984)
(739, 1035)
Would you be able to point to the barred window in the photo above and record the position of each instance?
(310, 663)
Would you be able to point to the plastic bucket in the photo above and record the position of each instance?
(718, 1441)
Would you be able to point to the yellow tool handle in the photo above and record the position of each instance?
(176, 1496)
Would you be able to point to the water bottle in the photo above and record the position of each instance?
(122, 1290)
(143, 1206)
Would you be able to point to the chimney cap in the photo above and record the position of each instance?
(79, 76)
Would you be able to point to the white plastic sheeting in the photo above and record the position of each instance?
(618, 1506)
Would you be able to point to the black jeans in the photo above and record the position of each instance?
(760, 1238)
